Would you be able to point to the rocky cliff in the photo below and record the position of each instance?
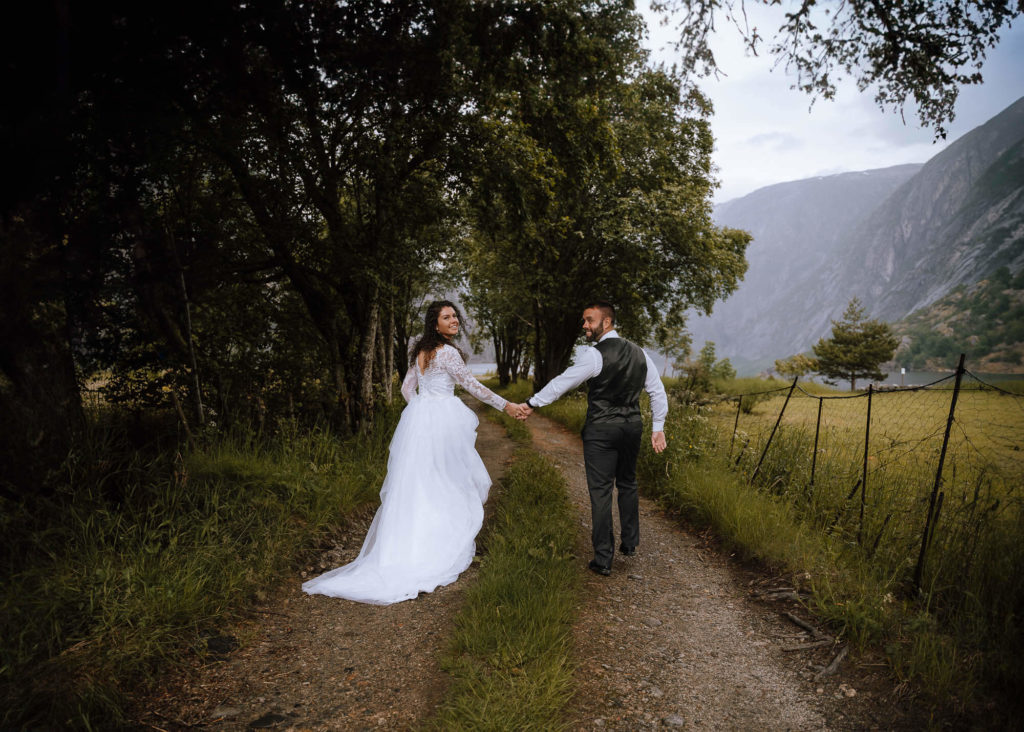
(898, 238)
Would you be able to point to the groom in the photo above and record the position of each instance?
(616, 371)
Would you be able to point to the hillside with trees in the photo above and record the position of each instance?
(984, 320)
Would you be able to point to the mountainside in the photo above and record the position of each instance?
(984, 320)
(797, 226)
(898, 238)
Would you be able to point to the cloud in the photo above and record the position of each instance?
(778, 141)
(765, 132)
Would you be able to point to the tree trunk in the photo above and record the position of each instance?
(362, 417)
(553, 345)
(197, 392)
(389, 353)
(500, 358)
(524, 367)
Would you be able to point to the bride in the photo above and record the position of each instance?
(423, 535)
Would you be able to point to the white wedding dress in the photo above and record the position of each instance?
(423, 535)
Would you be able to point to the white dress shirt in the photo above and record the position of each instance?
(588, 364)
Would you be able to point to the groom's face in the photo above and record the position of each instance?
(595, 323)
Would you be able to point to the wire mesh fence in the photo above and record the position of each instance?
(927, 480)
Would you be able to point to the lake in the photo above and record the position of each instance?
(911, 378)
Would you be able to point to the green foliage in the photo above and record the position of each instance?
(985, 321)
(753, 390)
(857, 347)
(674, 340)
(700, 375)
(514, 428)
(595, 184)
(117, 576)
(921, 52)
(796, 366)
(511, 656)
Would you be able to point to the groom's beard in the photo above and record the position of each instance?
(595, 334)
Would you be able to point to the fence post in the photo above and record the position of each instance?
(772, 435)
(817, 431)
(864, 476)
(930, 516)
(736, 424)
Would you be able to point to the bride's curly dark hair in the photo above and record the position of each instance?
(431, 339)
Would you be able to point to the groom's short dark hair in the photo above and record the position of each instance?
(606, 308)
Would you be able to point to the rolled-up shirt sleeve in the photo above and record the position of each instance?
(587, 365)
(659, 399)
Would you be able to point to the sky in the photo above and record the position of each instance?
(767, 133)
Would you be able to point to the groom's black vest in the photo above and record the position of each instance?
(614, 394)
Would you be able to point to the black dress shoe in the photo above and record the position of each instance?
(627, 551)
(599, 569)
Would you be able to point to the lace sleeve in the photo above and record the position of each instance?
(454, 365)
(410, 382)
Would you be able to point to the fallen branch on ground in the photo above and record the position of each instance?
(807, 626)
(832, 667)
(809, 646)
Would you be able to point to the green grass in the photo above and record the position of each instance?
(115, 578)
(514, 428)
(510, 657)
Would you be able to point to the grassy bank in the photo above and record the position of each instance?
(138, 555)
(510, 658)
(959, 629)
(959, 638)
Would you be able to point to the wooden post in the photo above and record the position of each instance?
(930, 517)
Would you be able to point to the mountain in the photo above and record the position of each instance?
(984, 320)
(898, 238)
(798, 227)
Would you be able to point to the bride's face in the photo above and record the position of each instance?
(448, 322)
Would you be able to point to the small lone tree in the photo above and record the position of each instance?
(797, 365)
(700, 373)
(674, 341)
(857, 347)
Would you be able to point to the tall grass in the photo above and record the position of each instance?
(510, 657)
(116, 576)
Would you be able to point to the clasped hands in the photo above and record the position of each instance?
(519, 411)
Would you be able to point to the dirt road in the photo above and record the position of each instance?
(673, 638)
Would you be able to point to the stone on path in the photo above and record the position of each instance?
(267, 721)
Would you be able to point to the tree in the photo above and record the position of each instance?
(919, 50)
(498, 309)
(795, 366)
(599, 178)
(674, 340)
(699, 373)
(857, 347)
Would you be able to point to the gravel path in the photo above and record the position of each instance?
(673, 638)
